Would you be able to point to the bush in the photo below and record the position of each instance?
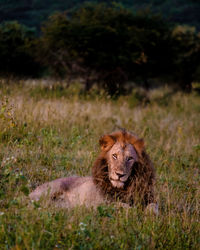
(187, 56)
(107, 45)
(17, 49)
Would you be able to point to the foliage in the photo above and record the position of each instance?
(16, 49)
(186, 55)
(55, 137)
(104, 45)
(107, 45)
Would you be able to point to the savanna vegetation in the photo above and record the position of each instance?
(49, 131)
(103, 45)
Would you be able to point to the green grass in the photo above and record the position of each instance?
(47, 133)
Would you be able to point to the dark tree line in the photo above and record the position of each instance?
(104, 45)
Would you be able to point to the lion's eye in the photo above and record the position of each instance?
(114, 156)
(130, 158)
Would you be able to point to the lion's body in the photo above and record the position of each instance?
(123, 172)
(69, 192)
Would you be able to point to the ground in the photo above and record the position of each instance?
(52, 132)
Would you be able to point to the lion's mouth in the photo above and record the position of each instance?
(117, 183)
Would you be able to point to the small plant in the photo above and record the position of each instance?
(7, 115)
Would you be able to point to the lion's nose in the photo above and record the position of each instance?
(120, 175)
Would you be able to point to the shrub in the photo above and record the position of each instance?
(17, 49)
(107, 45)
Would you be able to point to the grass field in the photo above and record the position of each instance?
(52, 132)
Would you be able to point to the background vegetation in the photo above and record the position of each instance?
(103, 44)
(47, 132)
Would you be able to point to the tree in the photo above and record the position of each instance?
(187, 55)
(107, 45)
(16, 47)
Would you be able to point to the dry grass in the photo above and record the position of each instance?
(46, 133)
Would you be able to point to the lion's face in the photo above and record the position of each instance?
(115, 173)
(121, 159)
(121, 151)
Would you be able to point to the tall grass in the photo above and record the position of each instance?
(51, 132)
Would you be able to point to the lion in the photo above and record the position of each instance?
(123, 172)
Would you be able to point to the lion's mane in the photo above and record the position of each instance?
(139, 185)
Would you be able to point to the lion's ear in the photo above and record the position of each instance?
(139, 146)
(106, 142)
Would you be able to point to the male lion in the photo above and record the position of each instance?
(123, 172)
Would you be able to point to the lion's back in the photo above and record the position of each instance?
(69, 192)
(85, 193)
